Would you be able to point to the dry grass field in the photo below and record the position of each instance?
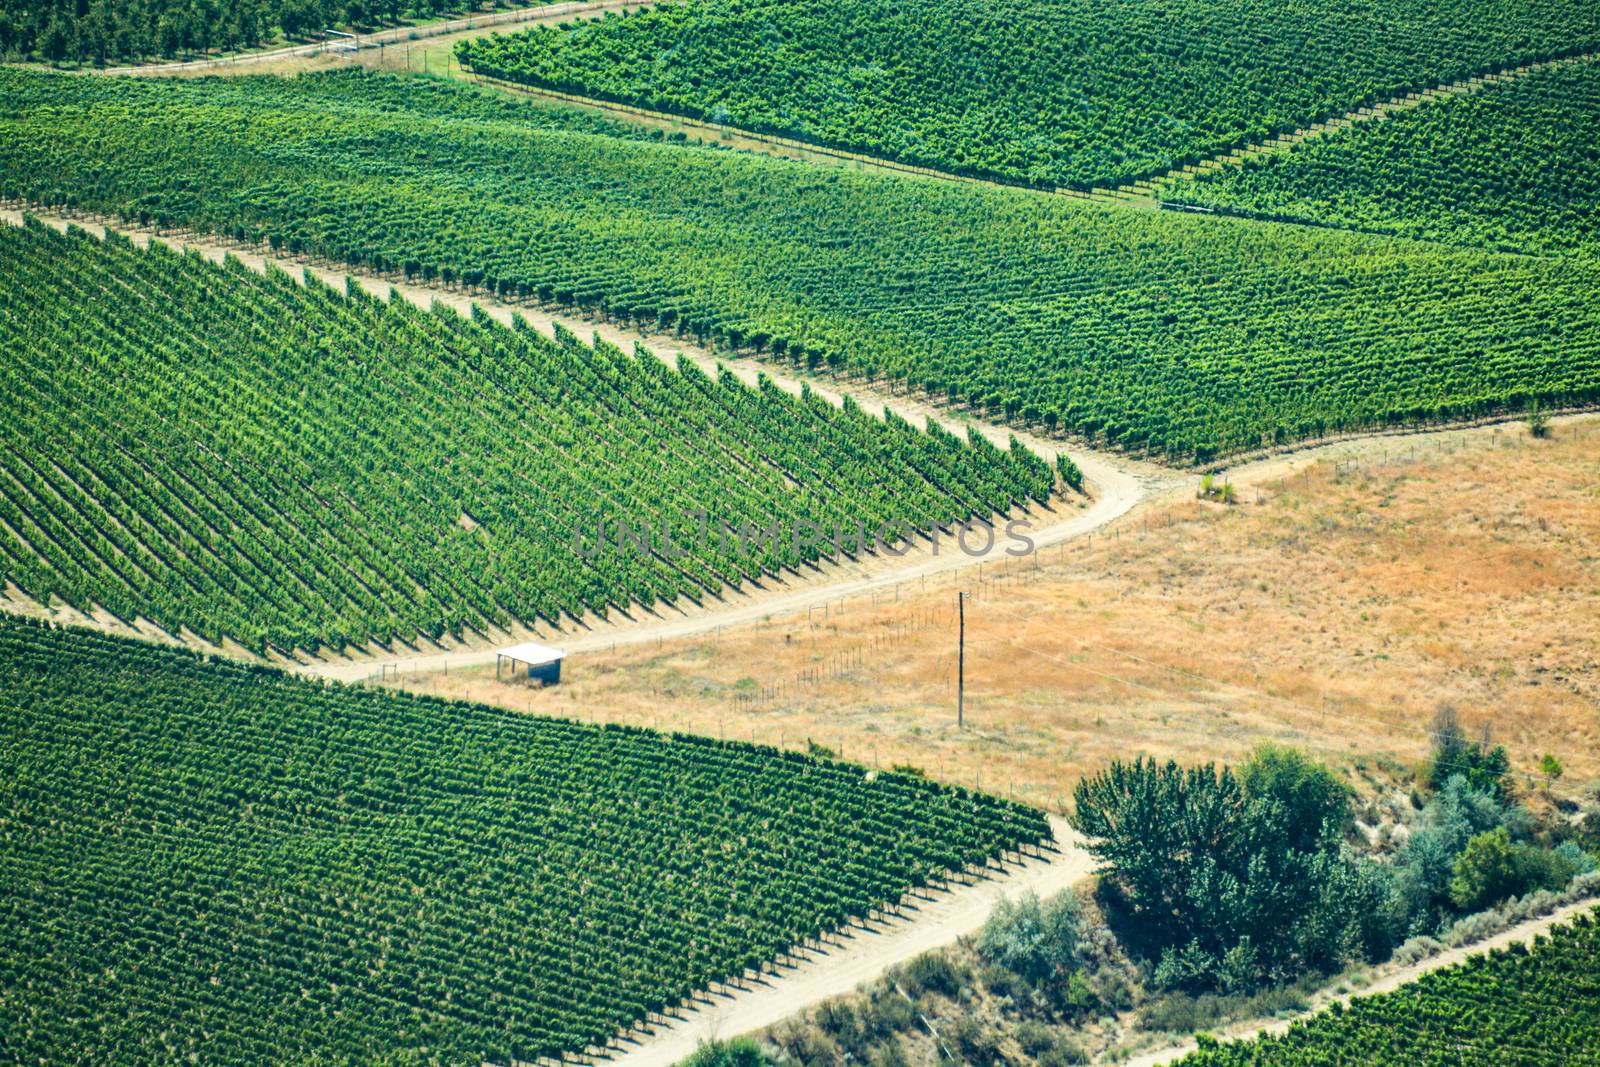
(1348, 594)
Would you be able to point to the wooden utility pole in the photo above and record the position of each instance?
(961, 661)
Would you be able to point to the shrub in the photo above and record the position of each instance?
(932, 972)
(1492, 868)
(974, 1042)
(1036, 941)
(887, 1013)
(740, 1052)
(1065, 1054)
(1416, 950)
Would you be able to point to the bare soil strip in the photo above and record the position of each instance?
(1117, 483)
(1142, 193)
(1146, 191)
(398, 35)
(1386, 979)
(859, 956)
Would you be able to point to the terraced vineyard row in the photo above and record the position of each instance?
(82, 33)
(1045, 93)
(252, 458)
(1513, 164)
(1538, 1007)
(1189, 336)
(215, 860)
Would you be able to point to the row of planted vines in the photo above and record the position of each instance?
(275, 462)
(1511, 165)
(1037, 92)
(1536, 1006)
(1183, 335)
(214, 862)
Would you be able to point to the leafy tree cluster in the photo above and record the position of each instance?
(278, 463)
(1512, 165)
(1484, 766)
(1230, 880)
(1039, 92)
(212, 861)
(98, 31)
(1537, 1005)
(1183, 335)
(1475, 844)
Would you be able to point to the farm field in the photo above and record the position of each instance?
(1070, 533)
(1374, 583)
(163, 30)
(286, 467)
(249, 868)
(1525, 1005)
(1187, 337)
(1045, 93)
(1512, 165)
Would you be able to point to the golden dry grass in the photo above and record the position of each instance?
(1338, 613)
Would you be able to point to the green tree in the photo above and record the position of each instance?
(1198, 868)
(1551, 768)
(1315, 801)
(1485, 767)
(1487, 870)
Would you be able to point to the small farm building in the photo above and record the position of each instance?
(542, 662)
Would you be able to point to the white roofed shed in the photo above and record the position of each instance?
(541, 662)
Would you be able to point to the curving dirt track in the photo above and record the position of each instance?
(1387, 979)
(398, 35)
(860, 958)
(1118, 484)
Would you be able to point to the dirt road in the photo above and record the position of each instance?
(398, 35)
(863, 957)
(1117, 484)
(1386, 979)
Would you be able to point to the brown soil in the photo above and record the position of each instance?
(1349, 595)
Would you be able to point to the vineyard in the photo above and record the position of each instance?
(1182, 335)
(1512, 165)
(1044, 92)
(280, 463)
(212, 859)
(137, 29)
(1533, 1007)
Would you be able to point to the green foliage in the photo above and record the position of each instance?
(931, 972)
(1070, 473)
(1189, 336)
(1510, 165)
(139, 29)
(1316, 802)
(217, 858)
(1551, 768)
(1044, 92)
(974, 1042)
(1485, 767)
(1210, 877)
(1488, 870)
(1036, 940)
(740, 1052)
(1538, 1005)
(1425, 864)
(275, 463)
(1538, 422)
